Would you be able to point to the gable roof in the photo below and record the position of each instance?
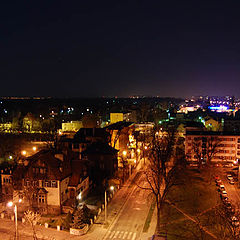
(100, 148)
(56, 169)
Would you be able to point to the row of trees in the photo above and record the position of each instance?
(166, 159)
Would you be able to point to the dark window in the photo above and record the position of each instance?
(54, 184)
(75, 145)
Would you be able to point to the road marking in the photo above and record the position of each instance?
(108, 233)
(115, 236)
(113, 232)
(121, 233)
(129, 235)
(125, 234)
(134, 236)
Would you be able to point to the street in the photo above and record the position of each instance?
(232, 190)
(127, 213)
(131, 218)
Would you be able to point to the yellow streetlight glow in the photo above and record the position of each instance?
(112, 188)
(138, 150)
(34, 149)
(145, 147)
(24, 152)
(124, 153)
(10, 204)
(20, 200)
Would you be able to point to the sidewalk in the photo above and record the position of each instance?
(113, 209)
(97, 231)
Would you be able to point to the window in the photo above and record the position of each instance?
(36, 183)
(75, 145)
(54, 184)
(41, 198)
(47, 184)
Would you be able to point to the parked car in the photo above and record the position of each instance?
(223, 193)
(224, 199)
(229, 177)
(218, 182)
(231, 182)
(222, 187)
(235, 221)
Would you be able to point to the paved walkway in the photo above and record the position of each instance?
(96, 232)
(192, 219)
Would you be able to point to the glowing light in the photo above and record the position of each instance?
(79, 196)
(20, 200)
(219, 108)
(34, 149)
(10, 204)
(138, 150)
(10, 157)
(24, 152)
(124, 153)
(112, 188)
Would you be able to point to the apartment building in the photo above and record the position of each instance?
(227, 145)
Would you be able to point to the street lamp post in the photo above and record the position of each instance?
(10, 204)
(105, 197)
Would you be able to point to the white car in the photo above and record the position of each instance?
(235, 221)
(222, 188)
(229, 177)
(224, 193)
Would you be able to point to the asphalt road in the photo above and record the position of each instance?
(131, 218)
(233, 191)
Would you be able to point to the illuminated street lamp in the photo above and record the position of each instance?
(124, 153)
(34, 149)
(24, 153)
(10, 204)
(112, 189)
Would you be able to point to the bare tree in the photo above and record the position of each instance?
(160, 172)
(32, 218)
(205, 148)
(197, 150)
(227, 222)
(213, 144)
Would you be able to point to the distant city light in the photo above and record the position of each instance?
(220, 108)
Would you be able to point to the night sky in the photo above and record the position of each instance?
(119, 48)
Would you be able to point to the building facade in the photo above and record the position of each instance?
(227, 145)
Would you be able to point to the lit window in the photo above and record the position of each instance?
(41, 198)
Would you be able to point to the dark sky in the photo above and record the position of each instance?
(107, 48)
